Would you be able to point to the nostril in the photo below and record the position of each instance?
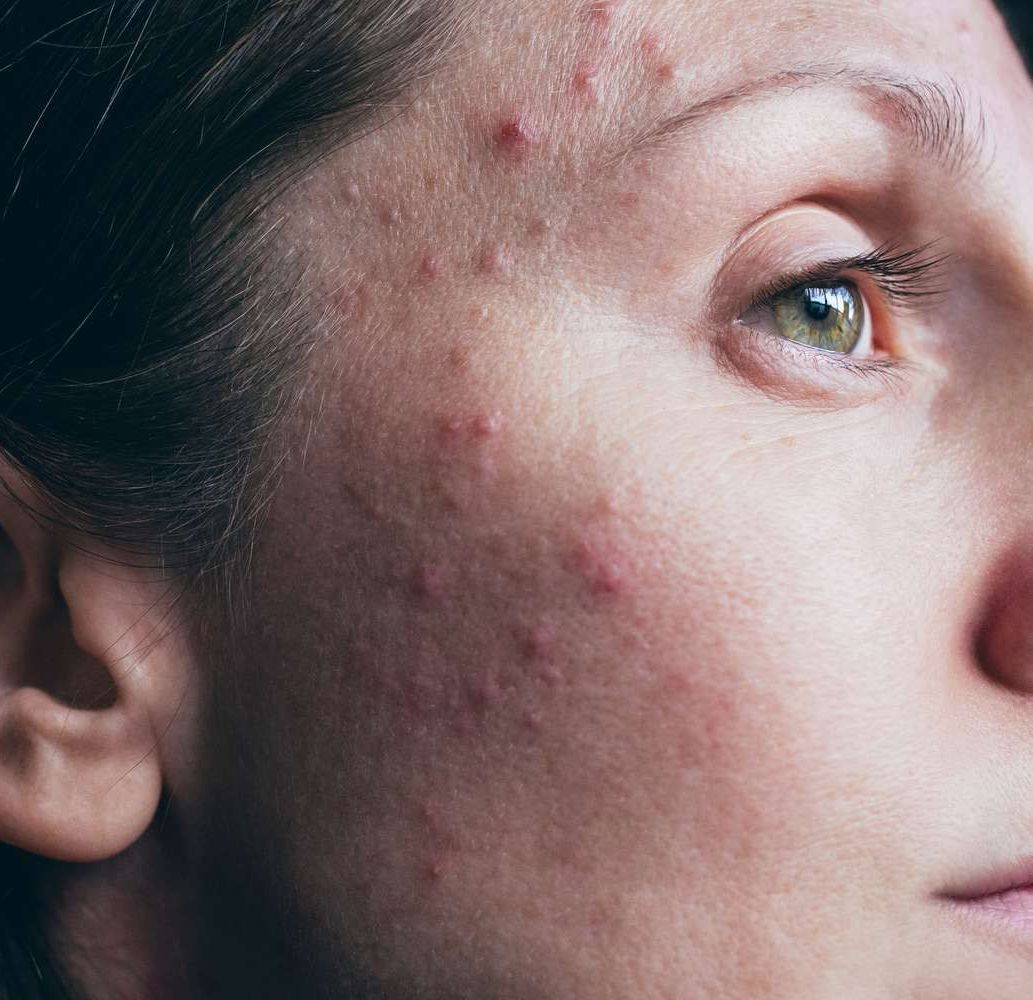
(1004, 638)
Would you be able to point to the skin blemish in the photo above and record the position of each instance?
(430, 183)
(538, 643)
(430, 581)
(539, 228)
(650, 44)
(600, 568)
(429, 268)
(436, 867)
(585, 82)
(600, 14)
(666, 71)
(515, 138)
(390, 217)
(484, 693)
(493, 260)
(458, 359)
(487, 425)
(481, 427)
(352, 194)
(532, 722)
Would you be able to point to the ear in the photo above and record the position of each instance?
(86, 671)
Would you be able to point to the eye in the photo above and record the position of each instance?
(827, 315)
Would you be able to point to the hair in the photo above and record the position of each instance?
(152, 344)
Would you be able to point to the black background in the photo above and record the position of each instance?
(1020, 17)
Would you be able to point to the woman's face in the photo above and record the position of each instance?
(604, 642)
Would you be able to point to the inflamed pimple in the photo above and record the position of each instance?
(600, 568)
(515, 138)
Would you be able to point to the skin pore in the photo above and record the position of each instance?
(598, 643)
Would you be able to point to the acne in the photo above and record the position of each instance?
(390, 217)
(539, 642)
(458, 359)
(600, 568)
(515, 139)
(600, 14)
(493, 260)
(429, 268)
(585, 83)
(430, 581)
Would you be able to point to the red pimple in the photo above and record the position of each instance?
(515, 138)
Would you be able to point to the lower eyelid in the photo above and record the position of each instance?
(804, 376)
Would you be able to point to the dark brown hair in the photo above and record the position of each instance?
(150, 344)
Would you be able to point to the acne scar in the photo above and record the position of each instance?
(458, 359)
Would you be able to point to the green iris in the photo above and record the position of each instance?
(830, 317)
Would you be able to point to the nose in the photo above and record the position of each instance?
(1004, 638)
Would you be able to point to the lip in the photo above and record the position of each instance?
(1006, 878)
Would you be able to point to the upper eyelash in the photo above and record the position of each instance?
(903, 276)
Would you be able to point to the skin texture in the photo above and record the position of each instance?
(596, 648)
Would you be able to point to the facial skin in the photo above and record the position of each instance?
(597, 647)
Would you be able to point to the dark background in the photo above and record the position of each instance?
(1020, 16)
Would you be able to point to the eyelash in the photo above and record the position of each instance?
(906, 278)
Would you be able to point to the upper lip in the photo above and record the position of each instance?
(1005, 877)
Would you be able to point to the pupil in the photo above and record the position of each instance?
(817, 309)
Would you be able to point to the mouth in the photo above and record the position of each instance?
(1003, 896)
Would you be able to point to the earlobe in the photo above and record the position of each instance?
(80, 778)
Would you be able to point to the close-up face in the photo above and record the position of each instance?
(644, 606)
(645, 610)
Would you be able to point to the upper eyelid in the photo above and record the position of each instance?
(904, 276)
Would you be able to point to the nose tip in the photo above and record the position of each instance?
(1004, 639)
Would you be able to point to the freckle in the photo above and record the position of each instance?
(431, 581)
(390, 216)
(515, 138)
(352, 194)
(430, 267)
(604, 506)
(430, 183)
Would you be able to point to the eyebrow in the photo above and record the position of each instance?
(935, 117)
